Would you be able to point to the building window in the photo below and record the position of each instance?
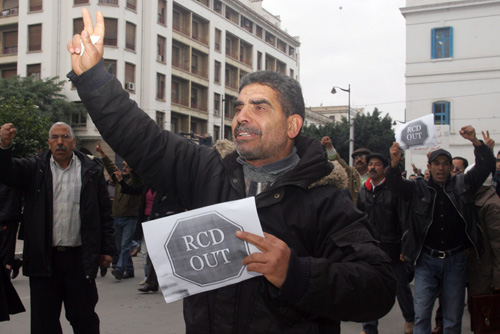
(281, 46)
(194, 98)
(162, 5)
(441, 111)
(160, 119)
(35, 37)
(216, 104)
(292, 73)
(110, 66)
(218, 35)
(108, 2)
(77, 26)
(442, 43)
(259, 60)
(270, 38)
(258, 31)
(111, 32)
(130, 76)
(10, 7)
(161, 45)
(218, 6)
(79, 118)
(34, 70)
(217, 69)
(291, 52)
(9, 39)
(80, 2)
(130, 36)
(36, 5)
(8, 73)
(246, 24)
(160, 86)
(132, 4)
(194, 64)
(232, 15)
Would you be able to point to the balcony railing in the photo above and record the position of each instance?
(9, 12)
(179, 65)
(110, 41)
(199, 107)
(9, 51)
(230, 84)
(201, 73)
(201, 39)
(181, 101)
(181, 29)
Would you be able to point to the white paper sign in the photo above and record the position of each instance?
(442, 141)
(197, 251)
(417, 133)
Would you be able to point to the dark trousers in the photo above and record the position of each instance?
(67, 285)
(151, 280)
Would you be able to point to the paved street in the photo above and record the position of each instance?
(124, 310)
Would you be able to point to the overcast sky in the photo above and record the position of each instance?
(356, 42)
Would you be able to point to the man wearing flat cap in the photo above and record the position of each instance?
(386, 216)
(360, 163)
(442, 224)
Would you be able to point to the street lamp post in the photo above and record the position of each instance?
(351, 124)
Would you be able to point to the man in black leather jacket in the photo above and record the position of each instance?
(442, 224)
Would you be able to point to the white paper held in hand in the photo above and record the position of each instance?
(93, 39)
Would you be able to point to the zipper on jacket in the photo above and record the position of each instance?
(465, 222)
(428, 227)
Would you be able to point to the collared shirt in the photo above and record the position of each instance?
(66, 187)
(447, 230)
(378, 184)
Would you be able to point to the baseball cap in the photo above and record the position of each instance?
(437, 153)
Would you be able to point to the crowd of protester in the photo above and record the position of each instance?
(361, 234)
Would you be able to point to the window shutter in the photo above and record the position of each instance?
(35, 37)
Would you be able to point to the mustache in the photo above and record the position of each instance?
(372, 170)
(246, 128)
(61, 148)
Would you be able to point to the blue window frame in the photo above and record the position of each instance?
(442, 43)
(441, 111)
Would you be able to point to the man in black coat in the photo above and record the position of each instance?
(318, 260)
(386, 214)
(68, 229)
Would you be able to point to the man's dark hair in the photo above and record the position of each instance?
(288, 89)
(464, 161)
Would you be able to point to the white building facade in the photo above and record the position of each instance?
(181, 61)
(453, 70)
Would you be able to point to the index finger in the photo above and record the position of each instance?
(88, 25)
(254, 239)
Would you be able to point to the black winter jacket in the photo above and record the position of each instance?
(34, 177)
(386, 213)
(461, 190)
(336, 271)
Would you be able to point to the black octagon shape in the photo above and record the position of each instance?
(204, 250)
(415, 133)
